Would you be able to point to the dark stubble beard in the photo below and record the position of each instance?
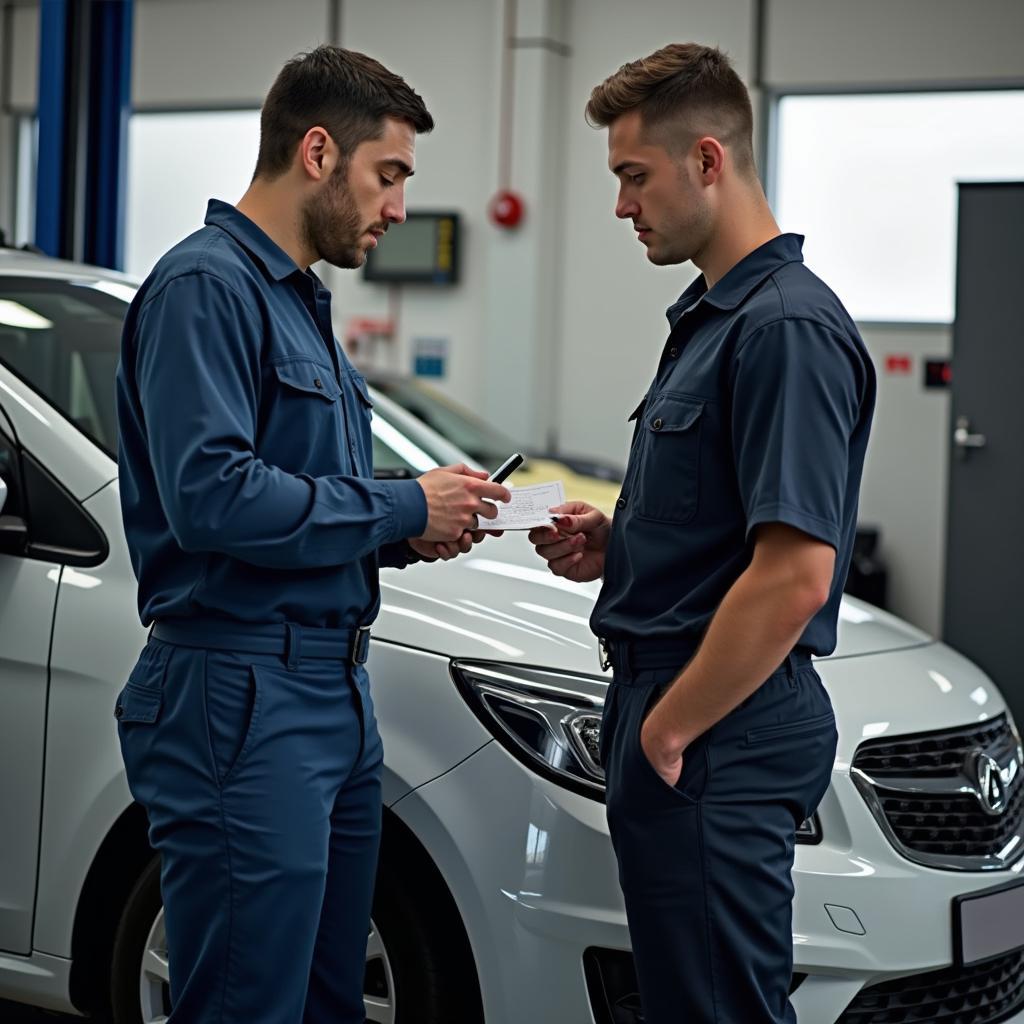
(331, 224)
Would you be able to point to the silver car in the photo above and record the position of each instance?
(497, 896)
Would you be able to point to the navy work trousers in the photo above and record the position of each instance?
(261, 778)
(705, 866)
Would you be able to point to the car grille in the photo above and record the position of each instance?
(980, 994)
(926, 791)
(950, 826)
(933, 753)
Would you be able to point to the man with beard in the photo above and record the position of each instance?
(256, 530)
(724, 565)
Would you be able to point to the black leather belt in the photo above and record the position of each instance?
(286, 639)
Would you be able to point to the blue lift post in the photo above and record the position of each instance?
(84, 103)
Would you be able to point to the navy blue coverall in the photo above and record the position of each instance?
(759, 413)
(255, 530)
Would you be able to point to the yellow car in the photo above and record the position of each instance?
(590, 480)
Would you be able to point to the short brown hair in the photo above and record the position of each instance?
(347, 93)
(681, 86)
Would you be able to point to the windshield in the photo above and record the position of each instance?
(63, 338)
(462, 427)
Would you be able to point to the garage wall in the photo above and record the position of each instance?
(456, 169)
(907, 470)
(219, 53)
(813, 45)
(838, 44)
(19, 44)
(614, 317)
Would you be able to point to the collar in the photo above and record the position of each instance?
(743, 278)
(252, 238)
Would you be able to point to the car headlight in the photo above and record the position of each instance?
(551, 722)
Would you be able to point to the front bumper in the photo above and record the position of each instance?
(531, 869)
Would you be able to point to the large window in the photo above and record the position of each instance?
(871, 181)
(176, 162)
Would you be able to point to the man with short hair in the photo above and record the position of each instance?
(256, 529)
(724, 565)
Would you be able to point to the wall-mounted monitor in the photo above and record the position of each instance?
(423, 250)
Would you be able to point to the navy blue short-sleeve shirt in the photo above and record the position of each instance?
(759, 413)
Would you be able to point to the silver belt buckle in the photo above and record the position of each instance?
(604, 654)
(361, 647)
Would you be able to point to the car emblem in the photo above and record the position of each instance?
(990, 792)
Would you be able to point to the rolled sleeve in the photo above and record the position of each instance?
(795, 406)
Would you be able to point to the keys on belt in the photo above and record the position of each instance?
(604, 653)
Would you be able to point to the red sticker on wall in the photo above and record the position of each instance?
(898, 364)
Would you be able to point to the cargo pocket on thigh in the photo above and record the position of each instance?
(137, 711)
(141, 698)
(138, 704)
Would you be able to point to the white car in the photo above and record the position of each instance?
(497, 897)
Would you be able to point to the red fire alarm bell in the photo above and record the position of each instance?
(506, 209)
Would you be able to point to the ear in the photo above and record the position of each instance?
(318, 154)
(711, 156)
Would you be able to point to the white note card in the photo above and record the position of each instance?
(528, 507)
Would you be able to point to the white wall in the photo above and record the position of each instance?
(573, 288)
(613, 322)
(843, 44)
(195, 53)
(447, 51)
(907, 470)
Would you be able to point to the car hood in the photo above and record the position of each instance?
(500, 603)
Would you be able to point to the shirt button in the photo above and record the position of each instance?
(318, 383)
(118, 711)
(621, 503)
(657, 424)
(673, 352)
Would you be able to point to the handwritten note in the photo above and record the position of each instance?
(528, 507)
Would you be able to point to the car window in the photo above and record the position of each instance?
(386, 459)
(462, 427)
(62, 337)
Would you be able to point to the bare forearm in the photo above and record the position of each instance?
(756, 626)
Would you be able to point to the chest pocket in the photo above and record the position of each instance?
(308, 378)
(669, 479)
(303, 421)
